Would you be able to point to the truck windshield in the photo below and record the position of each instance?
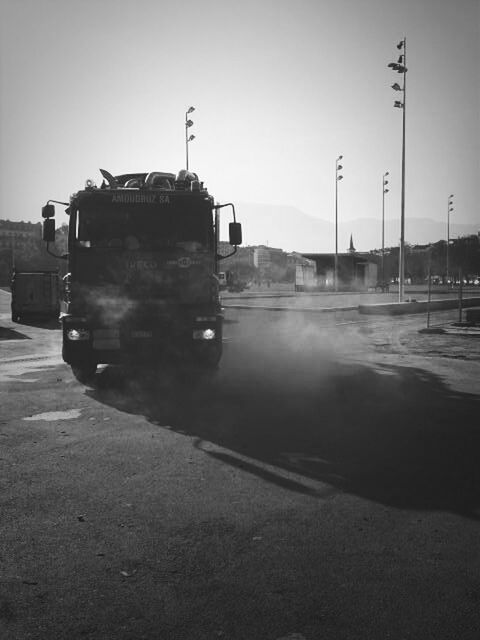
(146, 227)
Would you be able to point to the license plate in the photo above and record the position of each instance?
(141, 334)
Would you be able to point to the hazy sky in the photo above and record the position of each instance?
(280, 87)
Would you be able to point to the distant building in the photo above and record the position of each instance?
(243, 255)
(295, 259)
(265, 258)
(356, 271)
(305, 271)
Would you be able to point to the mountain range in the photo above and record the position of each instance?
(291, 229)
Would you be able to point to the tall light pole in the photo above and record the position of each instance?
(400, 67)
(338, 177)
(188, 124)
(384, 191)
(449, 211)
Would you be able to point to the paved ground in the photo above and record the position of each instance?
(324, 484)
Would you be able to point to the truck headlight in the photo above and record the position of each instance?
(204, 334)
(78, 334)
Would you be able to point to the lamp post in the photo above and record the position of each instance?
(384, 191)
(400, 67)
(338, 177)
(188, 124)
(449, 211)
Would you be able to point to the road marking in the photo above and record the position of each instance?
(340, 324)
(28, 359)
(50, 416)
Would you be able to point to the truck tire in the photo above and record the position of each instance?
(209, 357)
(84, 372)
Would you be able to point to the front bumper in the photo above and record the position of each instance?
(197, 334)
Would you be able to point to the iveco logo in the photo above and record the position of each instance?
(141, 265)
(184, 262)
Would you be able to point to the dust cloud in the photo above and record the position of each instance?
(290, 351)
(274, 365)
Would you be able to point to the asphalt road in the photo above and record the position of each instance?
(324, 483)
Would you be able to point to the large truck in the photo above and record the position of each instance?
(35, 294)
(142, 282)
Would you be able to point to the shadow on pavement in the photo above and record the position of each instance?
(396, 435)
(41, 322)
(11, 334)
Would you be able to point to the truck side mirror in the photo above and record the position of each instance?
(235, 233)
(48, 211)
(49, 229)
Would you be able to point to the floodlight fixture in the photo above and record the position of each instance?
(384, 191)
(338, 177)
(188, 124)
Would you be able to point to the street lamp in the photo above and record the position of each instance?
(188, 124)
(384, 191)
(400, 67)
(338, 177)
(449, 211)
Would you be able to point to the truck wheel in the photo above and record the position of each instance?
(209, 358)
(84, 372)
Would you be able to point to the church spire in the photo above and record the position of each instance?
(352, 248)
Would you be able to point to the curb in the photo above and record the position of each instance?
(289, 309)
(381, 308)
(397, 308)
(452, 331)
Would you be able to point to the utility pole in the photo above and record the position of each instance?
(384, 191)
(401, 67)
(338, 177)
(449, 211)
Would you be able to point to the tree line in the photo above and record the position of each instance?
(420, 260)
